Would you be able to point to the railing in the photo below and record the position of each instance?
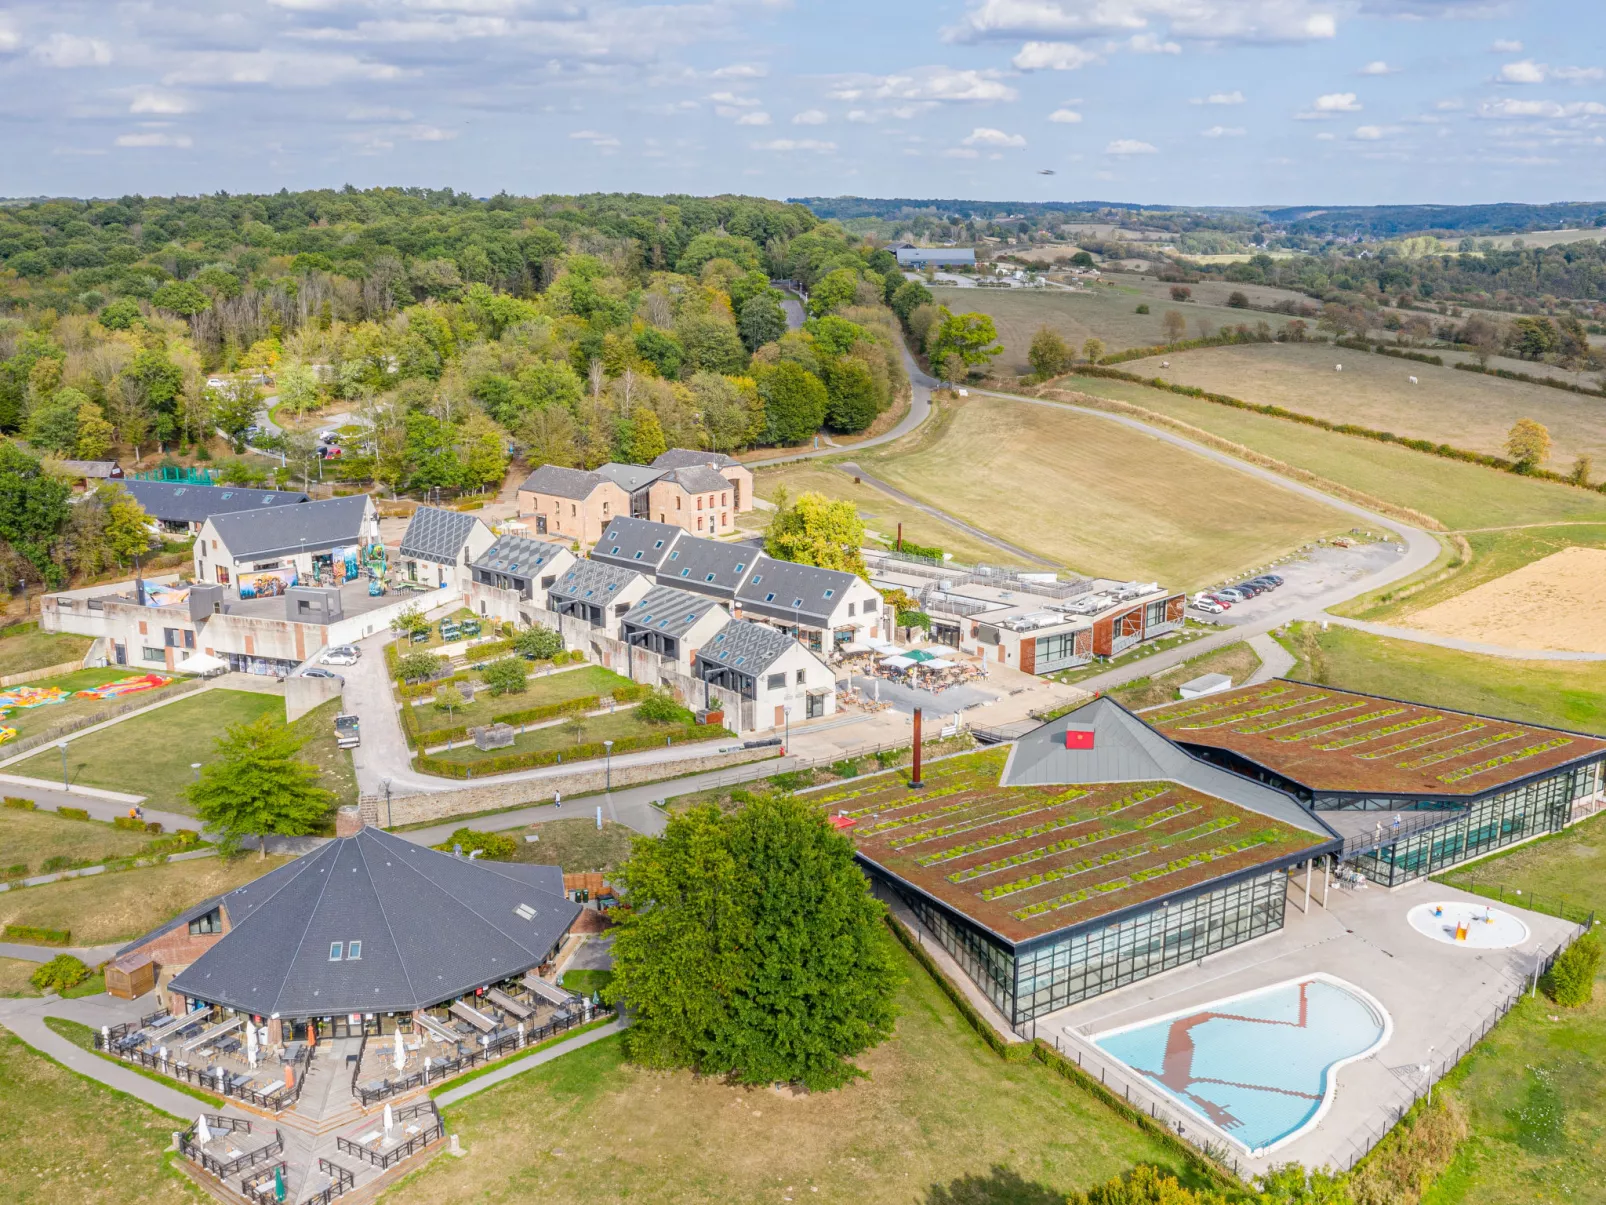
(1360, 843)
(259, 1185)
(1557, 906)
(356, 1068)
(432, 1131)
(344, 1181)
(272, 1102)
(445, 1068)
(224, 1168)
(1004, 732)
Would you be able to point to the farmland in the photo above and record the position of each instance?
(1464, 409)
(1097, 496)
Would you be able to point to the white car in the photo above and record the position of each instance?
(1208, 605)
(214, 382)
(341, 654)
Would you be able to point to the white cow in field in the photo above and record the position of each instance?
(1338, 368)
(1411, 379)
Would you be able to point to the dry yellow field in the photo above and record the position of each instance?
(1099, 497)
(1464, 409)
(1554, 603)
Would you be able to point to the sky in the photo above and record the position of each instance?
(1194, 102)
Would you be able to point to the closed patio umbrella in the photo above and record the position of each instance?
(390, 1119)
(202, 1134)
(401, 1055)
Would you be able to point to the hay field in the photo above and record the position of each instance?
(1464, 409)
(1552, 603)
(1097, 496)
(1459, 495)
(1103, 312)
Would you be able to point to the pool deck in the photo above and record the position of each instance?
(1438, 995)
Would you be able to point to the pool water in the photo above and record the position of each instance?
(1260, 1067)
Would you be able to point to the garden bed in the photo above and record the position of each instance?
(558, 744)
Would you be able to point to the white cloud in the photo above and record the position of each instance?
(378, 113)
(69, 50)
(741, 71)
(1148, 43)
(796, 144)
(1524, 72)
(1234, 97)
(595, 138)
(1223, 132)
(925, 84)
(1578, 75)
(1053, 56)
(861, 117)
(423, 133)
(153, 140)
(149, 100)
(1130, 146)
(277, 69)
(1448, 106)
(1507, 46)
(1377, 67)
(986, 136)
(1369, 133)
(731, 98)
(810, 117)
(1067, 117)
(1325, 137)
(758, 118)
(1511, 107)
(1202, 20)
(1329, 104)
(9, 41)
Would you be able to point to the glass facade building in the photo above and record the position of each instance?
(1059, 969)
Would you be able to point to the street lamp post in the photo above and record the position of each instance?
(786, 741)
(196, 766)
(607, 766)
(387, 803)
(66, 783)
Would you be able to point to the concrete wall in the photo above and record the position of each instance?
(301, 695)
(489, 796)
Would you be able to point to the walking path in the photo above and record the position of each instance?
(518, 1066)
(1013, 550)
(1465, 646)
(1275, 660)
(88, 955)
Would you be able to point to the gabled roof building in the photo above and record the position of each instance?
(597, 594)
(439, 546)
(696, 491)
(185, 506)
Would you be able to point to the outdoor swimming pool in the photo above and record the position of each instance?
(1260, 1067)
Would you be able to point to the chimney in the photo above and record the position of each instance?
(915, 783)
(348, 822)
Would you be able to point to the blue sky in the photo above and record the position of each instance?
(1182, 101)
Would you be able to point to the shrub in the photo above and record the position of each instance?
(22, 805)
(448, 698)
(505, 677)
(1144, 1185)
(659, 708)
(498, 846)
(418, 667)
(1143, 307)
(1571, 979)
(846, 768)
(18, 870)
(128, 823)
(914, 619)
(36, 936)
(1238, 300)
(60, 973)
(72, 813)
(540, 644)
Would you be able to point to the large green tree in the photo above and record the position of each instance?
(33, 507)
(752, 948)
(258, 787)
(971, 337)
(814, 530)
(794, 403)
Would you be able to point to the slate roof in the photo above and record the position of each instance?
(435, 534)
(749, 647)
(561, 482)
(1125, 749)
(105, 469)
(278, 531)
(638, 543)
(182, 502)
(697, 479)
(432, 927)
(670, 611)
(592, 581)
(784, 589)
(681, 458)
(629, 477)
(519, 556)
(707, 566)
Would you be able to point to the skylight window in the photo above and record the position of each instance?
(660, 544)
(709, 578)
(685, 573)
(740, 565)
(637, 557)
(674, 556)
(770, 597)
(757, 578)
(829, 593)
(797, 602)
(335, 949)
(354, 951)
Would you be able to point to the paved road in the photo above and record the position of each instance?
(1275, 660)
(793, 309)
(89, 955)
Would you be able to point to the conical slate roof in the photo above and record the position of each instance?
(431, 926)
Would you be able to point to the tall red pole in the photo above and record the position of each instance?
(915, 782)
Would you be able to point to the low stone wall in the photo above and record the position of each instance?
(491, 796)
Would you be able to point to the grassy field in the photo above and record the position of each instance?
(123, 905)
(586, 981)
(1535, 1086)
(34, 837)
(559, 736)
(1098, 496)
(33, 721)
(1459, 495)
(938, 1105)
(1567, 694)
(75, 1142)
(558, 687)
(1236, 660)
(339, 775)
(1108, 313)
(575, 845)
(151, 754)
(1464, 409)
(881, 512)
(14, 973)
(32, 649)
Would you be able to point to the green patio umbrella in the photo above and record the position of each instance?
(920, 655)
(278, 1183)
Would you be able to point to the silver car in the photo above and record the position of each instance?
(341, 654)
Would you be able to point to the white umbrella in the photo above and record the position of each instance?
(251, 1045)
(162, 1054)
(220, 1078)
(939, 663)
(895, 658)
(898, 663)
(202, 1134)
(521, 1035)
(389, 1120)
(401, 1055)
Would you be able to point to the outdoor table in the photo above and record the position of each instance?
(370, 1137)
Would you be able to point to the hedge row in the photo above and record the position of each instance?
(1446, 451)
(1529, 379)
(1162, 349)
(416, 736)
(1380, 349)
(37, 936)
(589, 751)
(21, 804)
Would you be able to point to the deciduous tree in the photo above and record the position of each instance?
(1528, 444)
(1049, 355)
(815, 530)
(258, 787)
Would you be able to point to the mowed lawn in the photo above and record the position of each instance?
(559, 736)
(881, 512)
(30, 838)
(1459, 495)
(123, 905)
(30, 649)
(1536, 1086)
(559, 686)
(1565, 694)
(1100, 497)
(576, 845)
(72, 1141)
(1105, 312)
(151, 754)
(938, 1105)
(1463, 409)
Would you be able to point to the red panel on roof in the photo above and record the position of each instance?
(1078, 738)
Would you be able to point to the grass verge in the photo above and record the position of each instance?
(1237, 661)
(469, 1076)
(84, 1037)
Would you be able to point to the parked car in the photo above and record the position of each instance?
(1273, 579)
(252, 431)
(1233, 594)
(327, 437)
(341, 654)
(214, 382)
(1250, 588)
(329, 452)
(1266, 583)
(1209, 606)
(315, 672)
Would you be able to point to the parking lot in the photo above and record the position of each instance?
(1306, 578)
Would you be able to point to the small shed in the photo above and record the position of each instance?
(131, 976)
(1208, 684)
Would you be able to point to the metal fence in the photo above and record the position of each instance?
(272, 1102)
(431, 1131)
(343, 1180)
(1551, 905)
(259, 1185)
(224, 1168)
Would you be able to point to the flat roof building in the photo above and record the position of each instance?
(936, 257)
